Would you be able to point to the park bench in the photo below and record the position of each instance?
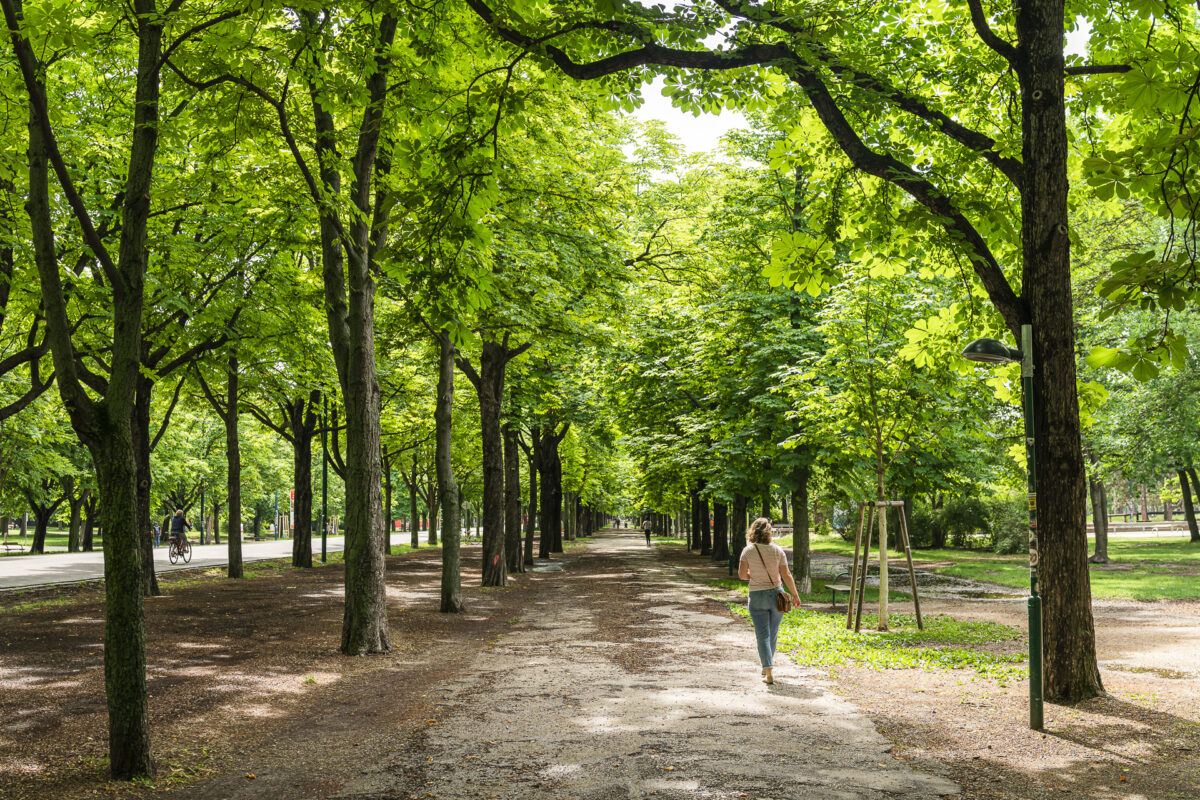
(836, 586)
(10, 546)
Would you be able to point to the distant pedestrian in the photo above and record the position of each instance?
(765, 566)
(157, 534)
(647, 526)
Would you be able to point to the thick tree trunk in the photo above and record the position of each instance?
(125, 623)
(364, 623)
(447, 486)
(705, 523)
(720, 553)
(801, 554)
(489, 386)
(534, 456)
(233, 470)
(1071, 672)
(1189, 509)
(41, 524)
(512, 500)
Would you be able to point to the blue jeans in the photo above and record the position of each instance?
(766, 619)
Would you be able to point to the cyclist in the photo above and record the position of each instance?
(179, 525)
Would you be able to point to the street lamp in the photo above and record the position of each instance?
(990, 351)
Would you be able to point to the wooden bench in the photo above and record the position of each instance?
(10, 546)
(836, 587)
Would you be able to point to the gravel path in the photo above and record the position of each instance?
(625, 680)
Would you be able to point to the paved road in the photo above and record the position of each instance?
(626, 681)
(22, 572)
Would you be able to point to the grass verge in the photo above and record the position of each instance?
(815, 638)
(1140, 568)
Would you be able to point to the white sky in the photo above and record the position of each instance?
(698, 134)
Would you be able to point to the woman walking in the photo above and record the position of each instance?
(766, 567)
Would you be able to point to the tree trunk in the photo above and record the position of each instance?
(447, 487)
(233, 470)
(737, 525)
(432, 521)
(75, 502)
(489, 386)
(125, 622)
(1195, 492)
(141, 453)
(91, 509)
(1189, 510)
(720, 553)
(414, 522)
(1099, 513)
(534, 456)
(801, 554)
(556, 498)
(693, 534)
(365, 622)
(766, 500)
(303, 422)
(545, 515)
(1071, 672)
(386, 466)
(512, 500)
(41, 523)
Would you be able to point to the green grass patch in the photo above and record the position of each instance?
(1158, 569)
(819, 593)
(815, 638)
(673, 541)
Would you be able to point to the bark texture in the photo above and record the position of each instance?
(447, 486)
(801, 553)
(512, 500)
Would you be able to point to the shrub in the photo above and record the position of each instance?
(925, 528)
(964, 519)
(1009, 523)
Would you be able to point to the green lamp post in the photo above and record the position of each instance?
(990, 351)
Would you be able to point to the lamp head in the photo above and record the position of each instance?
(990, 351)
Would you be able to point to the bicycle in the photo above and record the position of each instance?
(180, 549)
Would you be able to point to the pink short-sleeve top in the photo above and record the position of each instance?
(775, 565)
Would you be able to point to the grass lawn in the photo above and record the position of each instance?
(817, 638)
(1141, 568)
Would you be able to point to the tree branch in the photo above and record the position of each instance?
(979, 20)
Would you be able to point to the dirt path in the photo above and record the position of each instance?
(624, 680)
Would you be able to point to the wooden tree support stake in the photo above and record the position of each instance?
(858, 575)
